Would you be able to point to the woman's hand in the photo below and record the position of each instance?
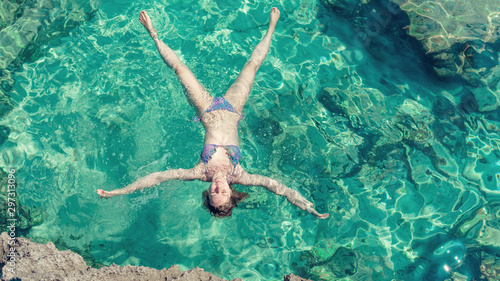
(146, 22)
(295, 198)
(103, 193)
(318, 215)
(278, 188)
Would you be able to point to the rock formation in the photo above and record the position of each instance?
(26, 217)
(459, 38)
(27, 23)
(26, 260)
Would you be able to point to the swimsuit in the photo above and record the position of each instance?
(208, 151)
(233, 152)
(219, 103)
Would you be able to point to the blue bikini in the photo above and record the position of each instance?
(233, 152)
(219, 103)
(208, 151)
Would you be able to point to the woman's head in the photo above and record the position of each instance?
(219, 192)
(221, 197)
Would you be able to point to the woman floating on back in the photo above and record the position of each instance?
(220, 157)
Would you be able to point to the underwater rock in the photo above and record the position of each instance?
(293, 277)
(5, 103)
(9, 11)
(490, 267)
(459, 38)
(299, 148)
(326, 261)
(343, 7)
(39, 22)
(25, 217)
(487, 99)
(357, 120)
(413, 120)
(470, 226)
(22, 259)
(4, 134)
(489, 236)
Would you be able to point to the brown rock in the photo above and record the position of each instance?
(33, 261)
(26, 260)
(293, 277)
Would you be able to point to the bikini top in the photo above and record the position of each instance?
(233, 152)
(219, 103)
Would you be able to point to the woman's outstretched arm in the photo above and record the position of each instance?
(155, 179)
(278, 188)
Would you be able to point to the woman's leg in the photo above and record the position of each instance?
(195, 92)
(238, 93)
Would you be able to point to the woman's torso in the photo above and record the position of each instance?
(221, 132)
(221, 124)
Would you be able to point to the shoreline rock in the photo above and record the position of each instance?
(33, 261)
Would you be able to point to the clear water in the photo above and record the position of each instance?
(404, 173)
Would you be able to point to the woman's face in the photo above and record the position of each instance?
(219, 192)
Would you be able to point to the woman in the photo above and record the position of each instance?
(219, 163)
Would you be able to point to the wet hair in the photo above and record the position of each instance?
(226, 209)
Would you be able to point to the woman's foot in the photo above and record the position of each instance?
(146, 22)
(273, 19)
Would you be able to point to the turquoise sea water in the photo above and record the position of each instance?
(409, 173)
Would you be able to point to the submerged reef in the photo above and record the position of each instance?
(459, 38)
(22, 259)
(26, 25)
(326, 261)
(27, 28)
(424, 190)
(25, 217)
(410, 182)
(427, 177)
